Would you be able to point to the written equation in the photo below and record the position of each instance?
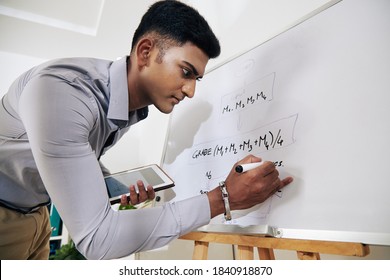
(250, 95)
(275, 135)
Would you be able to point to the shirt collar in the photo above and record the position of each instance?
(118, 107)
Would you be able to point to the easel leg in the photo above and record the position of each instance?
(308, 255)
(200, 250)
(245, 252)
(266, 253)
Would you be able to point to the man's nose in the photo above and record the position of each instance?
(189, 88)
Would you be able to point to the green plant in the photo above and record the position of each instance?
(67, 252)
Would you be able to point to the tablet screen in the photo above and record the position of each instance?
(118, 184)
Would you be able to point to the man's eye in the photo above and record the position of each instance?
(186, 72)
(190, 75)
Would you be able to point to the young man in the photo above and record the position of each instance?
(58, 118)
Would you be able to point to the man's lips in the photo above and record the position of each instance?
(177, 99)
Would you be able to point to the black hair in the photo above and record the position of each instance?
(176, 21)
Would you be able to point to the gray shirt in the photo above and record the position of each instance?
(56, 120)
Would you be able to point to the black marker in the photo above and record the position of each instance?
(247, 166)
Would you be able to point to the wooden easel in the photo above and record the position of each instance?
(306, 249)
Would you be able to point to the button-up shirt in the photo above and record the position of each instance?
(56, 120)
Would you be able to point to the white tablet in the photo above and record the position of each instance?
(118, 183)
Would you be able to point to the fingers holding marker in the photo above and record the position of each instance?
(267, 167)
(241, 168)
(266, 170)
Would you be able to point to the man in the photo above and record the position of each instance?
(58, 118)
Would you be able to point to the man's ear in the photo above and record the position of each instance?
(143, 51)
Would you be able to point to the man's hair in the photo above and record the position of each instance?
(176, 22)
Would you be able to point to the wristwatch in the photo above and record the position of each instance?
(225, 197)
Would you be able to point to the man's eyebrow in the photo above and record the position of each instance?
(196, 73)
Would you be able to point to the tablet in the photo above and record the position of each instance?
(118, 183)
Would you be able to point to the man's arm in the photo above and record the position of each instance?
(58, 118)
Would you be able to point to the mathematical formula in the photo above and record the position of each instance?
(272, 136)
(250, 95)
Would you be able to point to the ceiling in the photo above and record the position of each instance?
(58, 14)
(57, 28)
(104, 28)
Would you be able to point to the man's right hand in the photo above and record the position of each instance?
(249, 188)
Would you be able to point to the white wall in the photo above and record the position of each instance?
(11, 65)
(240, 25)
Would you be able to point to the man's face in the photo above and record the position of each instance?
(168, 80)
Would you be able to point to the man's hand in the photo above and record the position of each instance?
(135, 198)
(249, 188)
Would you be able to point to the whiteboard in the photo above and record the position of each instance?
(316, 101)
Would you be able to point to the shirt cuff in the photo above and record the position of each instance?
(194, 213)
